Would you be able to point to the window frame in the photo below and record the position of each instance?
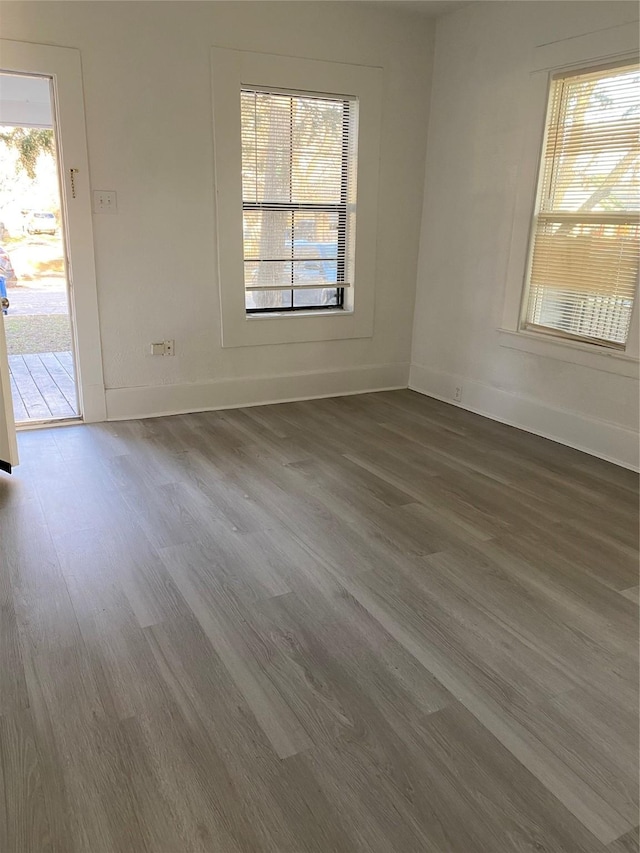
(526, 323)
(233, 70)
(340, 208)
(617, 44)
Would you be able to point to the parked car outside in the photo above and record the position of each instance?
(42, 222)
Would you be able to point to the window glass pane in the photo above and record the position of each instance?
(307, 298)
(315, 227)
(271, 300)
(266, 273)
(315, 272)
(266, 147)
(276, 234)
(592, 156)
(594, 303)
(298, 187)
(584, 264)
(292, 148)
(267, 234)
(317, 150)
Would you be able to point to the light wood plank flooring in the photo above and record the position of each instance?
(372, 624)
(43, 386)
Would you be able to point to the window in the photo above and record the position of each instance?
(298, 199)
(294, 139)
(584, 258)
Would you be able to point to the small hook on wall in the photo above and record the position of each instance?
(72, 173)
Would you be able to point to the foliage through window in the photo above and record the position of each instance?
(584, 258)
(298, 199)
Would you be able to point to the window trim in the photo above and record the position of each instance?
(616, 44)
(231, 71)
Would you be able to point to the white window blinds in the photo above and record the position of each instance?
(584, 261)
(298, 199)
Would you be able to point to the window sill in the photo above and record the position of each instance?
(279, 315)
(291, 327)
(574, 352)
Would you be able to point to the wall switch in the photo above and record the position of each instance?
(457, 396)
(157, 349)
(105, 201)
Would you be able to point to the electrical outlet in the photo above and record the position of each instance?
(164, 348)
(457, 396)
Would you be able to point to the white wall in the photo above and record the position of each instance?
(146, 72)
(480, 84)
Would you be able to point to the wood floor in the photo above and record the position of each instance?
(372, 624)
(43, 386)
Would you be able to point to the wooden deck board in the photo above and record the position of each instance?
(66, 360)
(61, 377)
(43, 386)
(19, 411)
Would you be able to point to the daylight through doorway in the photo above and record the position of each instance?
(33, 275)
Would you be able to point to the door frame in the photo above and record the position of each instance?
(63, 66)
(8, 442)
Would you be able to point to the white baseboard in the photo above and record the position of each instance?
(157, 400)
(604, 439)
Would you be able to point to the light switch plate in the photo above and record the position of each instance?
(105, 201)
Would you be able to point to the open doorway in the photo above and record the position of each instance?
(33, 273)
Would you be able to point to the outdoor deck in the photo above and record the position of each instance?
(43, 386)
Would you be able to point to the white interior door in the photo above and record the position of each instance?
(62, 66)
(8, 443)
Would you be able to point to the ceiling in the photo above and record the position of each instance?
(424, 8)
